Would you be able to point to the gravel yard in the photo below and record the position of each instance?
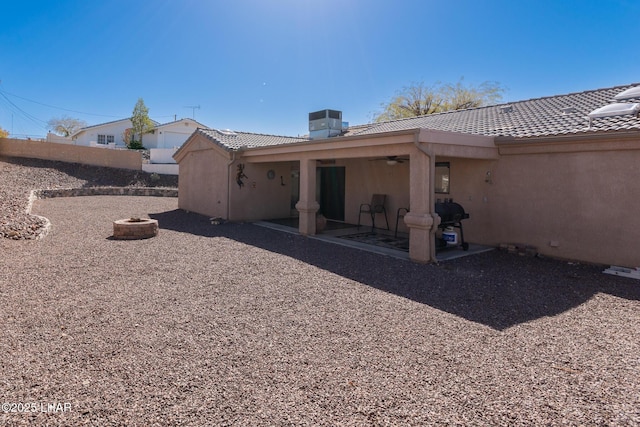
(234, 324)
(19, 176)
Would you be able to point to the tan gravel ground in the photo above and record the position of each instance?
(235, 324)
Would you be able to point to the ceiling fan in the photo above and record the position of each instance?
(392, 160)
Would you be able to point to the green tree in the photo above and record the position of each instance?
(140, 123)
(65, 126)
(420, 99)
(3, 133)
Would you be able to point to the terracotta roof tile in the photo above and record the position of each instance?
(548, 116)
(553, 115)
(234, 139)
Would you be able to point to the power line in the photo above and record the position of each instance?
(20, 110)
(15, 109)
(4, 93)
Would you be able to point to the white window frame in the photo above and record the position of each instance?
(106, 139)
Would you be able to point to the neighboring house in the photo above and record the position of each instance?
(162, 141)
(110, 133)
(171, 135)
(168, 135)
(559, 173)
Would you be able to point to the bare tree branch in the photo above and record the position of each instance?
(65, 126)
(419, 99)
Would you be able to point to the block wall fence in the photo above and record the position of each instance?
(94, 156)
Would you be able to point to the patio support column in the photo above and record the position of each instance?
(307, 206)
(420, 219)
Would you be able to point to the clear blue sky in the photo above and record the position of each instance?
(263, 65)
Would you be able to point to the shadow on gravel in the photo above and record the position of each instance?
(495, 289)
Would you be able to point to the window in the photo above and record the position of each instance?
(442, 177)
(106, 139)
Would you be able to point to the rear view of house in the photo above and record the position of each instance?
(559, 173)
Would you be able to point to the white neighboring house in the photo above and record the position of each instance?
(162, 142)
(172, 134)
(105, 134)
(167, 135)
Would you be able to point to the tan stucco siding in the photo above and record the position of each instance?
(261, 197)
(573, 197)
(469, 188)
(202, 184)
(570, 205)
(364, 177)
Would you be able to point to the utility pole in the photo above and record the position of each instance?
(193, 110)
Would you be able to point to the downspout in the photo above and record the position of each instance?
(427, 150)
(233, 159)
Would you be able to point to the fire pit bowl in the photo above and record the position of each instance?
(135, 228)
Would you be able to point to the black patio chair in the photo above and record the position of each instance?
(375, 207)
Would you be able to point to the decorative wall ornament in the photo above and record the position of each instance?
(240, 174)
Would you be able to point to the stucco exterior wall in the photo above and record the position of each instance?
(203, 182)
(364, 177)
(468, 187)
(572, 198)
(580, 205)
(261, 197)
(208, 184)
(569, 205)
(472, 189)
(123, 159)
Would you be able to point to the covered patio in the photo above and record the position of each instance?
(412, 188)
(380, 241)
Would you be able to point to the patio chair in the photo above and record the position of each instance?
(375, 207)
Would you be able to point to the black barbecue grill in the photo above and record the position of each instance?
(451, 215)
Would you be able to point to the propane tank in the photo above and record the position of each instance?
(450, 235)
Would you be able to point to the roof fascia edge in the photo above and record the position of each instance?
(570, 138)
(333, 139)
(315, 144)
(602, 141)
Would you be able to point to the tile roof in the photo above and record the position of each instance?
(155, 124)
(548, 116)
(234, 140)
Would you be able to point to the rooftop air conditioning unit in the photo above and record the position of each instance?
(325, 124)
